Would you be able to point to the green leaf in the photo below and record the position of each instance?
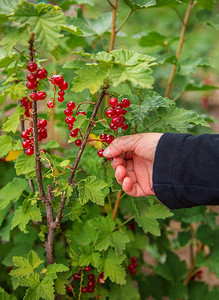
(131, 58)
(173, 269)
(12, 191)
(127, 291)
(211, 262)
(139, 4)
(5, 296)
(180, 119)
(51, 145)
(152, 39)
(145, 102)
(12, 123)
(190, 65)
(72, 29)
(205, 235)
(17, 91)
(82, 123)
(43, 290)
(89, 257)
(7, 7)
(25, 164)
(208, 18)
(25, 266)
(45, 21)
(91, 27)
(61, 282)
(5, 145)
(91, 77)
(91, 189)
(113, 268)
(52, 269)
(207, 4)
(24, 214)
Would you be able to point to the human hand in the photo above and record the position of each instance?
(132, 159)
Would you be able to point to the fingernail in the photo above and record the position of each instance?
(106, 152)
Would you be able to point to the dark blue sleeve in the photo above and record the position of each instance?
(186, 170)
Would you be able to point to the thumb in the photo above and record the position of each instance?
(122, 144)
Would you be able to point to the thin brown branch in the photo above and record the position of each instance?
(38, 166)
(179, 49)
(110, 3)
(178, 14)
(78, 157)
(50, 229)
(113, 27)
(116, 207)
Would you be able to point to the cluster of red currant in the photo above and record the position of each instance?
(90, 283)
(105, 138)
(117, 112)
(133, 265)
(27, 136)
(57, 80)
(33, 80)
(27, 104)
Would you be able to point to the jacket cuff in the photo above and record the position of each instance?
(163, 169)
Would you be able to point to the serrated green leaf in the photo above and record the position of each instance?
(152, 39)
(56, 268)
(91, 189)
(25, 266)
(61, 282)
(208, 18)
(51, 145)
(25, 164)
(45, 21)
(131, 58)
(89, 257)
(173, 269)
(5, 145)
(158, 211)
(44, 290)
(113, 268)
(12, 123)
(12, 191)
(190, 65)
(91, 77)
(7, 7)
(146, 102)
(24, 214)
(82, 123)
(17, 91)
(72, 29)
(179, 118)
(139, 4)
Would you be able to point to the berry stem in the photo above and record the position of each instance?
(90, 102)
(125, 20)
(79, 154)
(179, 49)
(124, 223)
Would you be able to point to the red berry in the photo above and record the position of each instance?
(133, 271)
(109, 139)
(70, 120)
(43, 133)
(124, 126)
(61, 99)
(41, 95)
(116, 121)
(122, 119)
(32, 66)
(27, 114)
(71, 105)
(113, 126)
(113, 102)
(118, 112)
(91, 284)
(74, 133)
(31, 85)
(124, 111)
(70, 126)
(100, 152)
(25, 144)
(134, 259)
(30, 151)
(91, 277)
(34, 96)
(131, 267)
(61, 93)
(42, 123)
(81, 113)
(68, 112)
(69, 289)
(77, 276)
(42, 73)
(99, 297)
(63, 86)
(103, 137)
(29, 130)
(31, 77)
(43, 151)
(101, 275)
(135, 264)
(24, 135)
(125, 103)
(110, 112)
(87, 268)
(78, 142)
(58, 80)
(84, 289)
(90, 289)
(52, 79)
(50, 104)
